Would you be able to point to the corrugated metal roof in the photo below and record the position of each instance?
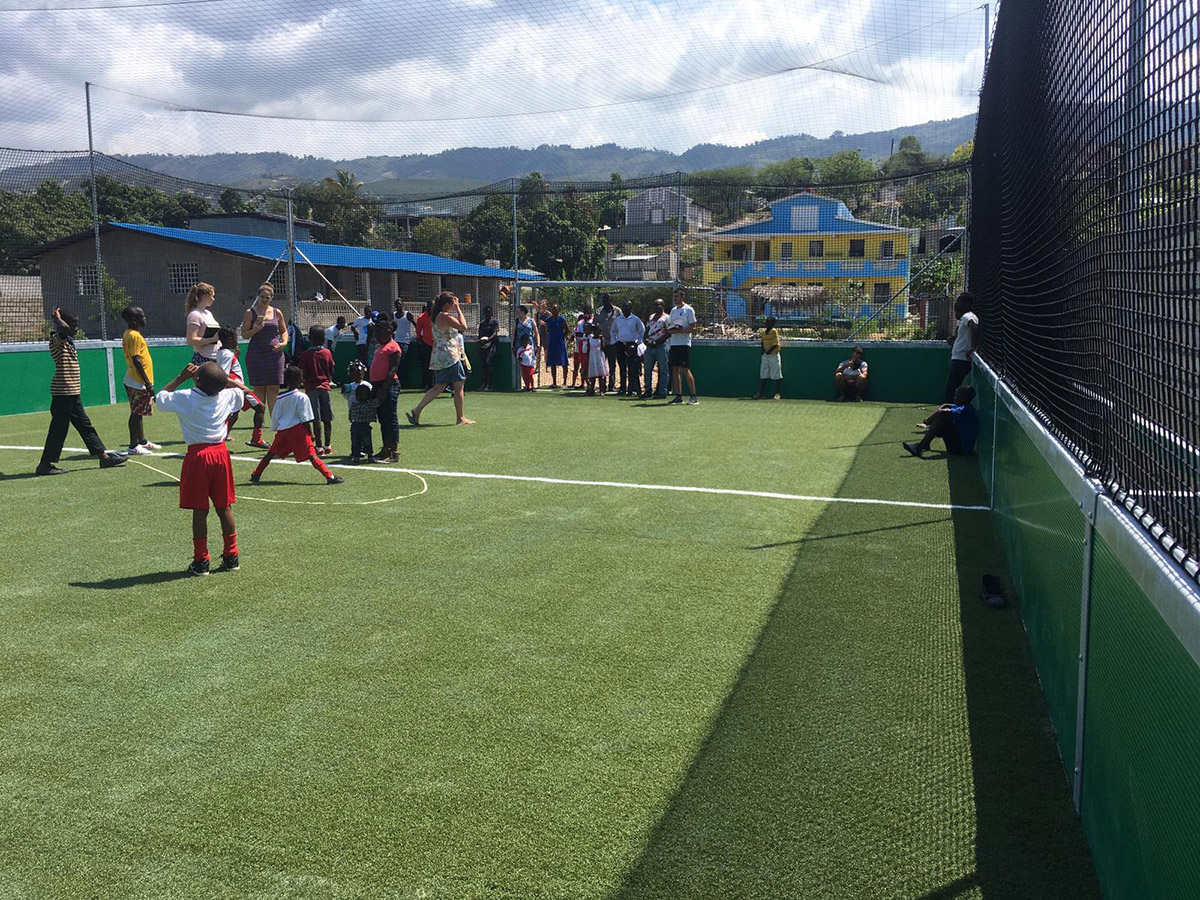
(271, 249)
(833, 217)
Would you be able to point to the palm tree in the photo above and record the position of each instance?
(345, 181)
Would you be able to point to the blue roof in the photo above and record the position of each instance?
(832, 217)
(271, 249)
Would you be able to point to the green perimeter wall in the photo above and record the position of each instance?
(1140, 802)
(899, 371)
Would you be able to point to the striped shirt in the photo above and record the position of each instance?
(65, 382)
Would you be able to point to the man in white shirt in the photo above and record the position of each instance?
(627, 331)
(682, 321)
(962, 344)
(333, 332)
(850, 376)
(656, 353)
(362, 333)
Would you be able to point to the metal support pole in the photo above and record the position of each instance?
(987, 33)
(291, 246)
(515, 298)
(1088, 507)
(995, 440)
(87, 91)
(680, 214)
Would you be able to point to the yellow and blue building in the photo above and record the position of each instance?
(813, 241)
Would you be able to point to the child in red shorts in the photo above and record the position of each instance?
(290, 418)
(227, 359)
(207, 471)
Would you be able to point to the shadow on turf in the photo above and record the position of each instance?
(116, 584)
(751, 817)
(845, 534)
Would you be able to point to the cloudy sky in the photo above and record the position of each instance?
(359, 77)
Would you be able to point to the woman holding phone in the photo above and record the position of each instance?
(202, 325)
(263, 326)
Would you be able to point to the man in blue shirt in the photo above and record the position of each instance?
(955, 423)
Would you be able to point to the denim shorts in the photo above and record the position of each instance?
(450, 374)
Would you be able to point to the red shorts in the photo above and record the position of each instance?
(207, 474)
(295, 441)
(581, 361)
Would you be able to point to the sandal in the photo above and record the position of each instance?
(412, 420)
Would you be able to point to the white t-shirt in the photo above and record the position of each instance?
(848, 370)
(962, 337)
(202, 416)
(206, 320)
(228, 361)
(332, 333)
(292, 407)
(404, 331)
(361, 324)
(683, 316)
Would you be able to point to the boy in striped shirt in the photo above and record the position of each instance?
(66, 409)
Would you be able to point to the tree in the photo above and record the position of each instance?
(963, 152)
(610, 205)
(436, 236)
(533, 192)
(231, 201)
(487, 231)
(909, 159)
(722, 190)
(789, 176)
(847, 167)
(561, 238)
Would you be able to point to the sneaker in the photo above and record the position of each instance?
(111, 460)
(255, 478)
(229, 563)
(693, 400)
(676, 400)
(140, 450)
(49, 470)
(150, 445)
(914, 449)
(258, 445)
(333, 479)
(776, 397)
(329, 451)
(198, 567)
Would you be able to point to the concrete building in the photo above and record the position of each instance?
(21, 316)
(643, 267)
(155, 266)
(252, 224)
(650, 217)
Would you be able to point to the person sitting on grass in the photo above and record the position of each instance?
(850, 376)
(290, 419)
(207, 470)
(66, 408)
(317, 365)
(139, 379)
(956, 424)
(771, 367)
(227, 359)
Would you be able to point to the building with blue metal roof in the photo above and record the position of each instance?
(154, 266)
(813, 241)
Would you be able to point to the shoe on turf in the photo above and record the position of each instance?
(776, 397)
(255, 478)
(111, 460)
(329, 451)
(914, 449)
(693, 400)
(150, 445)
(677, 399)
(333, 479)
(229, 563)
(258, 445)
(140, 450)
(198, 567)
(49, 470)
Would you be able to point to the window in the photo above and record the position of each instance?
(279, 282)
(805, 218)
(85, 281)
(816, 248)
(883, 292)
(858, 248)
(921, 245)
(360, 292)
(785, 250)
(181, 277)
(737, 251)
(887, 249)
(656, 215)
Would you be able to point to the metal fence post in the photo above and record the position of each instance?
(1088, 506)
(87, 92)
(515, 299)
(291, 246)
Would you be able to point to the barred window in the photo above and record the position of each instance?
(887, 249)
(816, 248)
(359, 289)
(858, 247)
(181, 277)
(279, 282)
(883, 292)
(85, 281)
(785, 250)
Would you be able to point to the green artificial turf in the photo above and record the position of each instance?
(520, 689)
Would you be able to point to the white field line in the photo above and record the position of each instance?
(625, 485)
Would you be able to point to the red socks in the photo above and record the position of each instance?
(199, 549)
(230, 544)
(320, 466)
(258, 470)
(256, 436)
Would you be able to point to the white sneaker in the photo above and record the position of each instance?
(140, 450)
(150, 445)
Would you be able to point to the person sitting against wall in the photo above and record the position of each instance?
(957, 424)
(850, 376)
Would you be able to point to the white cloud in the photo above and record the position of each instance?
(483, 73)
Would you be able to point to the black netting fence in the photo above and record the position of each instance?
(828, 257)
(1084, 249)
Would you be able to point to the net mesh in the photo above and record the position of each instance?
(1084, 248)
